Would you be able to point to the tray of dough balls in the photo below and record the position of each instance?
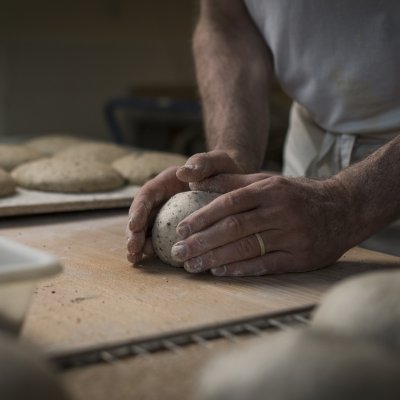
(59, 173)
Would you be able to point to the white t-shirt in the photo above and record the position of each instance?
(340, 59)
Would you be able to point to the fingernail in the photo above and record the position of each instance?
(134, 258)
(132, 221)
(190, 167)
(130, 245)
(183, 231)
(194, 265)
(219, 271)
(179, 251)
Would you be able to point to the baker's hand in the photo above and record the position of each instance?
(200, 167)
(157, 191)
(304, 224)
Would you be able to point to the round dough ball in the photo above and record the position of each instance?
(7, 184)
(68, 176)
(25, 375)
(103, 152)
(174, 211)
(139, 167)
(12, 155)
(51, 144)
(365, 307)
(302, 365)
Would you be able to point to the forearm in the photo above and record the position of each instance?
(373, 190)
(234, 70)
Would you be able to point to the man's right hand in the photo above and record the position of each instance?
(157, 191)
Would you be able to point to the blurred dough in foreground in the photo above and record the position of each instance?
(303, 365)
(364, 307)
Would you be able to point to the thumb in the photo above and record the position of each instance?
(224, 183)
(204, 165)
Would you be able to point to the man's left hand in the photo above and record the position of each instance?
(304, 224)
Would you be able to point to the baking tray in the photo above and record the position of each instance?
(27, 202)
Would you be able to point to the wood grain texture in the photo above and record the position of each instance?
(167, 375)
(101, 298)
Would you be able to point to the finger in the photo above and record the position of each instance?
(247, 248)
(227, 182)
(134, 258)
(204, 165)
(227, 204)
(140, 242)
(272, 263)
(152, 195)
(136, 242)
(148, 248)
(228, 230)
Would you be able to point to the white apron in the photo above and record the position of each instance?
(310, 151)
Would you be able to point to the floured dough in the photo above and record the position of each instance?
(103, 152)
(139, 167)
(51, 144)
(302, 365)
(7, 184)
(12, 155)
(69, 176)
(365, 307)
(176, 209)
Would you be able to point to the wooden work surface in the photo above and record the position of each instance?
(101, 298)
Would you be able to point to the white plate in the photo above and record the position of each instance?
(20, 268)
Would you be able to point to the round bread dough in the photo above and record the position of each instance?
(51, 144)
(365, 307)
(302, 365)
(12, 155)
(139, 167)
(7, 184)
(24, 373)
(176, 209)
(69, 176)
(103, 152)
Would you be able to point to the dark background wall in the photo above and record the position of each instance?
(60, 60)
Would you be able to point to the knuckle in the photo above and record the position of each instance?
(197, 244)
(198, 159)
(278, 181)
(246, 247)
(233, 226)
(209, 260)
(229, 200)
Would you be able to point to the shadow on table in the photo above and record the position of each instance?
(354, 262)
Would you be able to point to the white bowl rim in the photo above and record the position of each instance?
(37, 264)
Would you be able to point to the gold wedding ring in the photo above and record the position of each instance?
(261, 243)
